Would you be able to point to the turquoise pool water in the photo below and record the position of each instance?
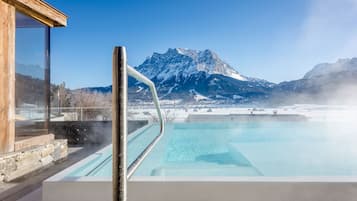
(266, 148)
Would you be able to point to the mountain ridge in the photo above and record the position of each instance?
(190, 75)
(184, 61)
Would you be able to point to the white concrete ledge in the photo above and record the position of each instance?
(242, 189)
(207, 189)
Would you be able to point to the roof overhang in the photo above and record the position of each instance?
(41, 11)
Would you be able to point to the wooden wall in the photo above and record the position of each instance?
(7, 77)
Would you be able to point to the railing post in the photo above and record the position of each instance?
(119, 124)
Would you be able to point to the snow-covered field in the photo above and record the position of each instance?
(176, 112)
(331, 113)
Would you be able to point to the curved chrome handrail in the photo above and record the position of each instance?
(135, 164)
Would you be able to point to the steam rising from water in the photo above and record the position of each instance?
(330, 28)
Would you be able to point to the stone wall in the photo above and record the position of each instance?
(20, 163)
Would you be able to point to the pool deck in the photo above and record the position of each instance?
(29, 188)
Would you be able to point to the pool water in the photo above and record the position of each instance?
(259, 148)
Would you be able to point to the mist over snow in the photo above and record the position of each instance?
(329, 30)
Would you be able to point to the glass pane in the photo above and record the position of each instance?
(31, 79)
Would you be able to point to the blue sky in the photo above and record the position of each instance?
(276, 40)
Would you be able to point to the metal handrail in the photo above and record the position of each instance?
(119, 124)
(135, 164)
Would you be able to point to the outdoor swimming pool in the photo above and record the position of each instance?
(266, 148)
(249, 160)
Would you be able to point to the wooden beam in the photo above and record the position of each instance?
(41, 11)
(7, 77)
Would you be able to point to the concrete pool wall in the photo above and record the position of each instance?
(206, 189)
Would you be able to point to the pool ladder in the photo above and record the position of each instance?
(119, 123)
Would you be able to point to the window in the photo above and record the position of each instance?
(32, 76)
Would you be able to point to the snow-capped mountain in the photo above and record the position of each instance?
(188, 74)
(324, 83)
(180, 62)
(325, 69)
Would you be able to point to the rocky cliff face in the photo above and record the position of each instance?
(195, 75)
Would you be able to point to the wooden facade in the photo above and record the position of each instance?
(7, 77)
(40, 11)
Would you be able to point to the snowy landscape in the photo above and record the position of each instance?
(309, 112)
(193, 82)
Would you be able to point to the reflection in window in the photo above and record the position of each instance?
(32, 75)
